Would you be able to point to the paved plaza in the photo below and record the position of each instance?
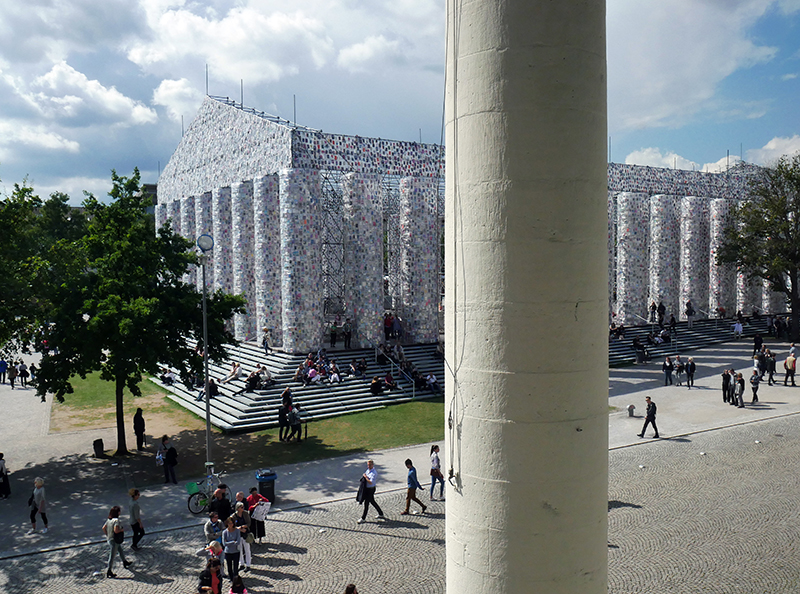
(711, 507)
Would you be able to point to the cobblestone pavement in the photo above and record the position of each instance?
(317, 549)
(710, 512)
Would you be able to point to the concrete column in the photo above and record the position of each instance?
(694, 254)
(633, 233)
(174, 215)
(419, 262)
(665, 242)
(612, 252)
(526, 286)
(267, 229)
(161, 215)
(301, 252)
(203, 224)
(223, 257)
(243, 259)
(363, 256)
(721, 279)
(188, 231)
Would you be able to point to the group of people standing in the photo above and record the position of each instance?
(678, 367)
(228, 541)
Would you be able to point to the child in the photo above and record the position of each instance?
(237, 586)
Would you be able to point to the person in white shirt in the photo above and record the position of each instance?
(370, 477)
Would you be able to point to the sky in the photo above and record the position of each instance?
(94, 85)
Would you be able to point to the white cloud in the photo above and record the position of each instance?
(722, 164)
(667, 59)
(34, 136)
(74, 187)
(789, 76)
(66, 93)
(179, 97)
(653, 157)
(247, 43)
(355, 57)
(774, 149)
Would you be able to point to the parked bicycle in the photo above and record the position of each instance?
(201, 493)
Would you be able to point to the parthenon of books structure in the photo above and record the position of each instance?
(309, 225)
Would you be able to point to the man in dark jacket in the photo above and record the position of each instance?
(138, 429)
(649, 417)
(170, 462)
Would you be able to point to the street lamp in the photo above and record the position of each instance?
(206, 243)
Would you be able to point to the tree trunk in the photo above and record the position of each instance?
(122, 447)
(794, 300)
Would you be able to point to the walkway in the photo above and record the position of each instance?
(700, 502)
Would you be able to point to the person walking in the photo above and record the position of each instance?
(138, 429)
(231, 537)
(771, 367)
(667, 368)
(37, 503)
(754, 381)
(348, 332)
(650, 418)
(115, 535)
(689, 314)
(12, 374)
(413, 485)
(370, 484)
(436, 472)
(691, 368)
(170, 462)
(789, 365)
(3, 369)
(135, 514)
(679, 369)
(5, 485)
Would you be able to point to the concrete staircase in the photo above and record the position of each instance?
(703, 333)
(259, 410)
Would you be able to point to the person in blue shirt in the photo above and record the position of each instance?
(413, 485)
(3, 370)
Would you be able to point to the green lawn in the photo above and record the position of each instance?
(394, 426)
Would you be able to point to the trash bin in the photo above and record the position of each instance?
(266, 483)
(99, 450)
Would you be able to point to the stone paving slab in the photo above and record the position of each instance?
(314, 549)
(645, 560)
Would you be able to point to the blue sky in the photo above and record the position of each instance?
(91, 85)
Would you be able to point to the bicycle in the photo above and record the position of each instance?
(201, 492)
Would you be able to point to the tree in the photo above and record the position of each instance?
(30, 229)
(116, 302)
(765, 241)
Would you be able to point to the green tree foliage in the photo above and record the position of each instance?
(116, 302)
(31, 229)
(765, 241)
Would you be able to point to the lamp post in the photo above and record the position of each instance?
(206, 243)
